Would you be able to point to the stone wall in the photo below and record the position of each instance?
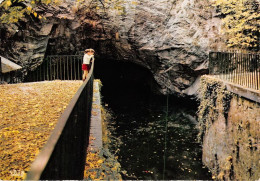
(229, 131)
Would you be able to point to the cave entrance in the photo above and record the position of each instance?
(124, 81)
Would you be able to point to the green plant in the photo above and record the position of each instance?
(215, 100)
(241, 22)
(14, 10)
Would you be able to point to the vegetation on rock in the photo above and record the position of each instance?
(14, 10)
(215, 99)
(229, 131)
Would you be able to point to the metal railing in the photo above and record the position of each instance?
(238, 68)
(64, 154)
(61, 67)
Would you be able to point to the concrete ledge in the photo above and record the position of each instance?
(251, 94)
(244, 92)
(96, 121)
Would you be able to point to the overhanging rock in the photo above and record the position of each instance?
(8, 66)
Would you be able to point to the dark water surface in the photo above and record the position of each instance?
(146, 149)
(140, 140)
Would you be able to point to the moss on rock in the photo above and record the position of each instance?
(229, 131)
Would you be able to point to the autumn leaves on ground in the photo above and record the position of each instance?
(28, 114)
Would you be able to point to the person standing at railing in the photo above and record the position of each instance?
(87, 60)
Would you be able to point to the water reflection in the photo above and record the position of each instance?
(138, 139)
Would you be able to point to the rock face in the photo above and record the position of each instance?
(170, 38)
(27, 41)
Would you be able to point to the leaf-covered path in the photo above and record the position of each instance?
(28, 113)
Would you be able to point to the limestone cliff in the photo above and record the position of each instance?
(170, 38)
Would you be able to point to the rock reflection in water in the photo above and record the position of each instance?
(138, 139)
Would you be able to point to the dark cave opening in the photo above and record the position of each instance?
(129, 84)
(125, 81)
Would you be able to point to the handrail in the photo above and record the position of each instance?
(239, 68)
(64, 55)
(61, 67)
(77, 113)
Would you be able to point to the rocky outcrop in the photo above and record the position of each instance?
(170, 38)
(27, 41)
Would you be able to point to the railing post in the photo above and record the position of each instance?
(57, 63)
(0, 66)
(257, 71)
(1, 75)
(79, 67)
(75, 73)
(54, 68)
(60, 69)
(40, 73)
(47, 68)
(68, 74)
(64, 69)
(236, 67)
(71, 78)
